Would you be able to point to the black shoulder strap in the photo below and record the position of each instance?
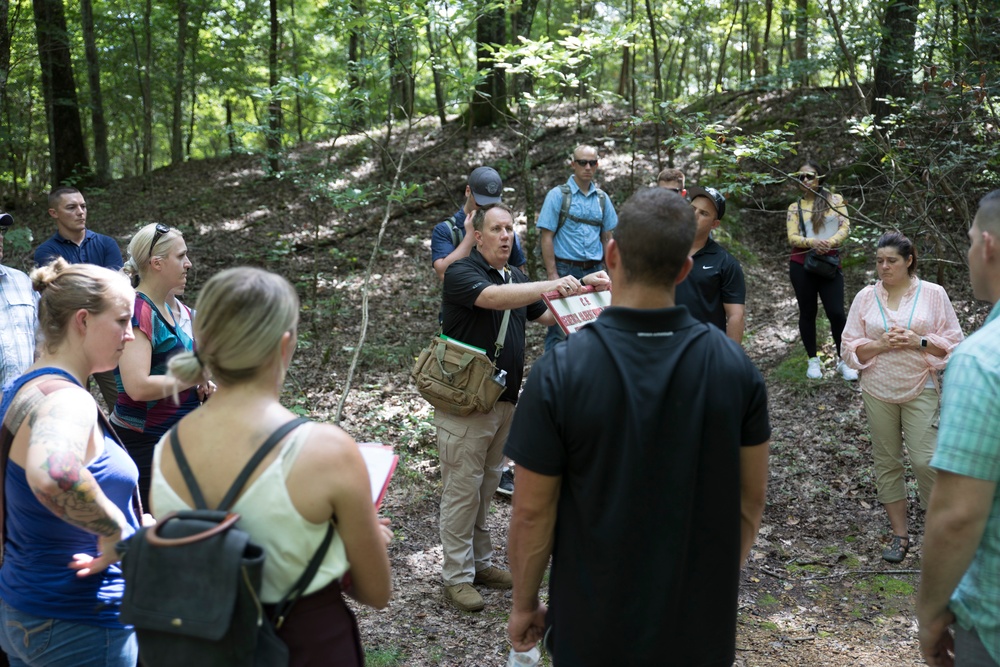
(456, 235)
(284, 606)
(241, 479)
(567, 198)
(802, 222)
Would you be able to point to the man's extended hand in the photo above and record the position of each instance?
(526, 628)
(599, 280)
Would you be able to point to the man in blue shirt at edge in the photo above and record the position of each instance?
(577, 246)
(959, 574)
(483, 187)
(79, 245)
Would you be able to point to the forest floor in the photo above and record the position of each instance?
(815, 592)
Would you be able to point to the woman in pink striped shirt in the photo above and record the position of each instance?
(899, 334)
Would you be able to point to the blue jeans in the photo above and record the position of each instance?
(555, 334)
(32, 641)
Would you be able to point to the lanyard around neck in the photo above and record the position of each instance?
(881, 310)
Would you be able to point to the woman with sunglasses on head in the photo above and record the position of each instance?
(149, 402)
(899, 334)
(817, 223)
(67, 484)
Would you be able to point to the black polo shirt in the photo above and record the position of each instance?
(715, 279)
(464, 280)
(643, 414)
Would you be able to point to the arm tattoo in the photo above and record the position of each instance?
(62, 429)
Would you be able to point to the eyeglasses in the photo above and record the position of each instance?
(161, 229)
(584, 163)
(807, 176)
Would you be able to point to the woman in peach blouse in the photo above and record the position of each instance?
(899, 334)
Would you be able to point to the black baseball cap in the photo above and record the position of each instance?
(486, 186)
(6, 219)
(713, 195)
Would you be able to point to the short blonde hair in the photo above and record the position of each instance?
(140, 250)
(240, 318)
(67, 288)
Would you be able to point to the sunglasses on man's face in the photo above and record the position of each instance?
(584, 163)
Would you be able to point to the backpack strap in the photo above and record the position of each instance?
(241, 479)
(456, 235)
(284, 606)
(567, 198)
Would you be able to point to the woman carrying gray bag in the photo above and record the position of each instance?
(817, 225)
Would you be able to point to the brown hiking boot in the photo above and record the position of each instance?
(494, 577)
(464, 596)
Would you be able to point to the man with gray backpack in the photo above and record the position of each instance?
(575, 225)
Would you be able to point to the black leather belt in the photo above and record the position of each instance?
(589, 264)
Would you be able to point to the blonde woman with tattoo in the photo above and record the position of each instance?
(67, 484)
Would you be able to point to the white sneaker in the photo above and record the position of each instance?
(814, 372)
(846, 371)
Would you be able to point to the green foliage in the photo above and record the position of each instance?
(385, 657)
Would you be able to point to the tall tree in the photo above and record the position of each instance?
(67, 151)
(274, 105)
(176, 120)
(801, 44)
(489, 101)
(102, 163)
(894, 65)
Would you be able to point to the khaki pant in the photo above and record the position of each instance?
(471, 451)
(892, 424)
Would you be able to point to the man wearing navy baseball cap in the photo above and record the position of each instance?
(452, 239)
(715, 291)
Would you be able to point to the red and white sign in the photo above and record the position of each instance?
(573, 311)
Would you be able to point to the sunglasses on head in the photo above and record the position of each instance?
(584, 163)
(807, 176)
(161, 229)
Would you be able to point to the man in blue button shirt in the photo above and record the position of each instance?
(72, 240)
(79, 245)
(573, 240)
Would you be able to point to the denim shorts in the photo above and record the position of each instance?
(32, 641)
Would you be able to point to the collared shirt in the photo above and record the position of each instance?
(96, 249)
(715, 280)
(897, 376)
(577, 241)
(442, 244)
(969, 444)
(464, 281)
(18, 322)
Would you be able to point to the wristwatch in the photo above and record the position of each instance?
(923, 342)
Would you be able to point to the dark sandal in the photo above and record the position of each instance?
(897, 552)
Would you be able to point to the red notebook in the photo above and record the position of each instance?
(572, 312)
(381, 464)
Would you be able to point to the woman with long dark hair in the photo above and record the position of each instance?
(817, 223)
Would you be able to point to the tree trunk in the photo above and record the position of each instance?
(102, 164)
(229, 125)
(432, 49)
(802, 37)
(147, 99)
(199, 13)
(657, 75)
(274, 106)
(401, 72)
(763, 65)
(489, 101)
(67, 151)
(176, 133)
(355, 46)
(294, 29)
(725, 46)
(521, 18)
(894, 64)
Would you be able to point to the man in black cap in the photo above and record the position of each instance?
(451, 240)
(714, 291)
